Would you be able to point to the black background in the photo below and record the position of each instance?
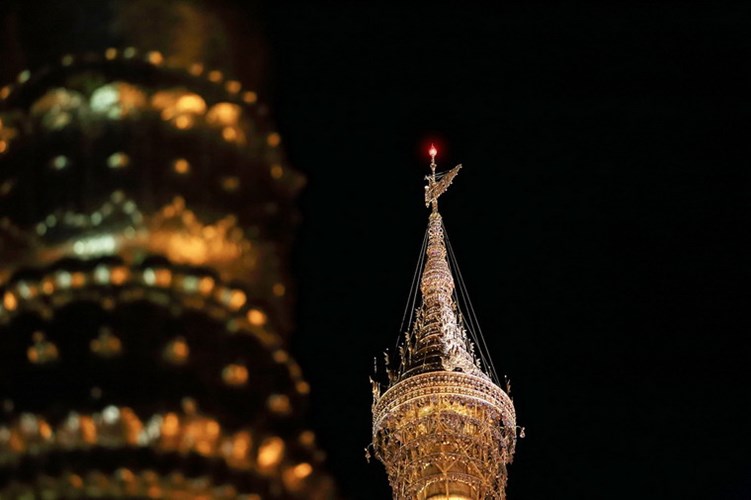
(600, 222)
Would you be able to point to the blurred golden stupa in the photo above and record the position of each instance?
(146, 215)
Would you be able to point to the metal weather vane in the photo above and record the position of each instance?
(437, 185)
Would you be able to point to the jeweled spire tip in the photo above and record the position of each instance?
(432, 152)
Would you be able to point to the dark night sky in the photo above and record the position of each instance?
(600, 222)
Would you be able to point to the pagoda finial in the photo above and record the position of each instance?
(437, 185)
(443, 428)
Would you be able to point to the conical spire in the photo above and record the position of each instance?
(439, 340)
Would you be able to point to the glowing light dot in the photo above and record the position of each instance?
(42, 351)
(59, 162)
(303, 470)
(118, 275)
(236, 299)
(182, 122)
(277, 171)
(163, 277)
(125, 475)
(118, 160)
(149, 276)
(106, 344)
(279, 289)
(256, 317)
(270, 453)
(9, 301)
(189, 405)
(273, 139)
(64, 279)
(240, 444)
(155, 57)
(279, 404)
(205, 285)
(45, 430)
(433, 151)
(230, 183)
(181, 166)
(233, 86)
(307, 438)
(6, 186)
(229, 134)
(75, 481)
(235, 375)
(176, 351)
(77, 280)
(281, 356)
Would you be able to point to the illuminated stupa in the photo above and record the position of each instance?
(146, 217)
(443, 428)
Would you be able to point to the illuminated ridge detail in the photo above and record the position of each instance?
(443, 429)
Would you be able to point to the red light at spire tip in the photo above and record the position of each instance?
(433, 151)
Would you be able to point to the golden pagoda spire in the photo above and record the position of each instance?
(439, 340)
(443, 429)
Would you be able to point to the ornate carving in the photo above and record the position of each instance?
(443, 429)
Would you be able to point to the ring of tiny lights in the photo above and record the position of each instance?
(113, 55)
(14, 127)
(116, 282)
(123, 483)
(208, 116)
(120, 227)
(178, 433)
(58, 288)
(295, 480)
(214, 85)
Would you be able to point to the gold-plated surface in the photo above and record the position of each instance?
(443, 428)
